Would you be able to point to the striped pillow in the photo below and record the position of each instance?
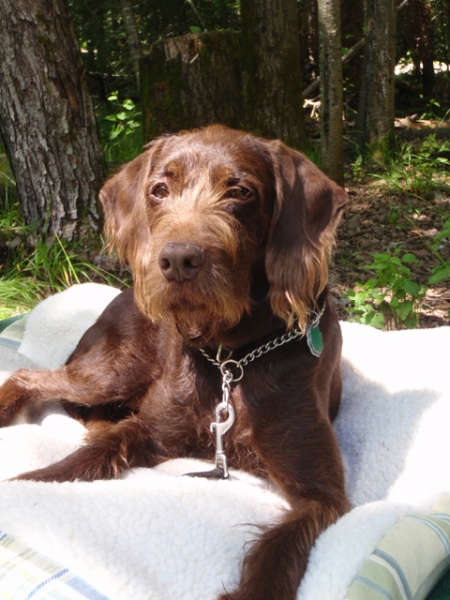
(409, 560)
(26, 574)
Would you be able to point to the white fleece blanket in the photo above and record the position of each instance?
(157, 535)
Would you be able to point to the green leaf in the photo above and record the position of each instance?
(371, 283)
(376, 320)
(378, 295)
(399, 293)
(404, 309)
(116, 132)
(411, 321)
(394, 303)
(405, 272)
(128, 104)
(411, 287)
(410, 258)
(445, 233)
(440, 273)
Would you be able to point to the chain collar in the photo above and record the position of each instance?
(224, 364)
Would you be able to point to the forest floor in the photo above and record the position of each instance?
(368, 227)
(379, 221)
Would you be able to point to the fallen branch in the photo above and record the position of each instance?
(312, 88)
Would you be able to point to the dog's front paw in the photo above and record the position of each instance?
(12, 400)
(46, 475)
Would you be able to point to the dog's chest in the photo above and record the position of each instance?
(181, 407)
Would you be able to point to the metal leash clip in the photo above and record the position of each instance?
(220, 427)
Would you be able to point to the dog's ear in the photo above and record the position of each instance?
(123, 198)
(307, 210)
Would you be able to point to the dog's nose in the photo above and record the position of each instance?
(180, 262)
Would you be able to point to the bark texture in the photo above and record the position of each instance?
(191, 81)
(272, 70)
(375, 121)
(134, 43)
(332, 139)
(47, 118)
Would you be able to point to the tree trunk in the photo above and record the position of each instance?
(426, 49)
(331, 94)
(272, 70)
(191, 81)
(47, 118)
(416, 35)
(134, 43)
(309, 38)
(375, 120)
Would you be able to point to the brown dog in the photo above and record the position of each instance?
(228, 236)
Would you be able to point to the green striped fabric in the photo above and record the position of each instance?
(25, 574)
(12, 330)
(409, 560)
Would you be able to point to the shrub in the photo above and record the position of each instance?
(391, 299)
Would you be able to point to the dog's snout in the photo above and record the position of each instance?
(180, 261)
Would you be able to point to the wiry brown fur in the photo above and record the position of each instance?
(228, 236)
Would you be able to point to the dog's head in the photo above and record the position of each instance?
(200, 215)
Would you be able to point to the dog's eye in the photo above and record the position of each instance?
(160, 191)
(239, 192)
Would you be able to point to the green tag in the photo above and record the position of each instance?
(314, 340)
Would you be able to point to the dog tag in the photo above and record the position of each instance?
(314, 340)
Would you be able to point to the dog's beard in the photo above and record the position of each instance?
(195, 328)
(201, 308)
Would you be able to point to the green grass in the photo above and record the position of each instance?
(19, 295)
(32, 268)
(414, 169)
(56, 264)
(48, 268)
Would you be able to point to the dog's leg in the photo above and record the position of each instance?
(106, 454)
(115, 361)
(26, 386)
(314, 485)
(89, 388)
(92, 379)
